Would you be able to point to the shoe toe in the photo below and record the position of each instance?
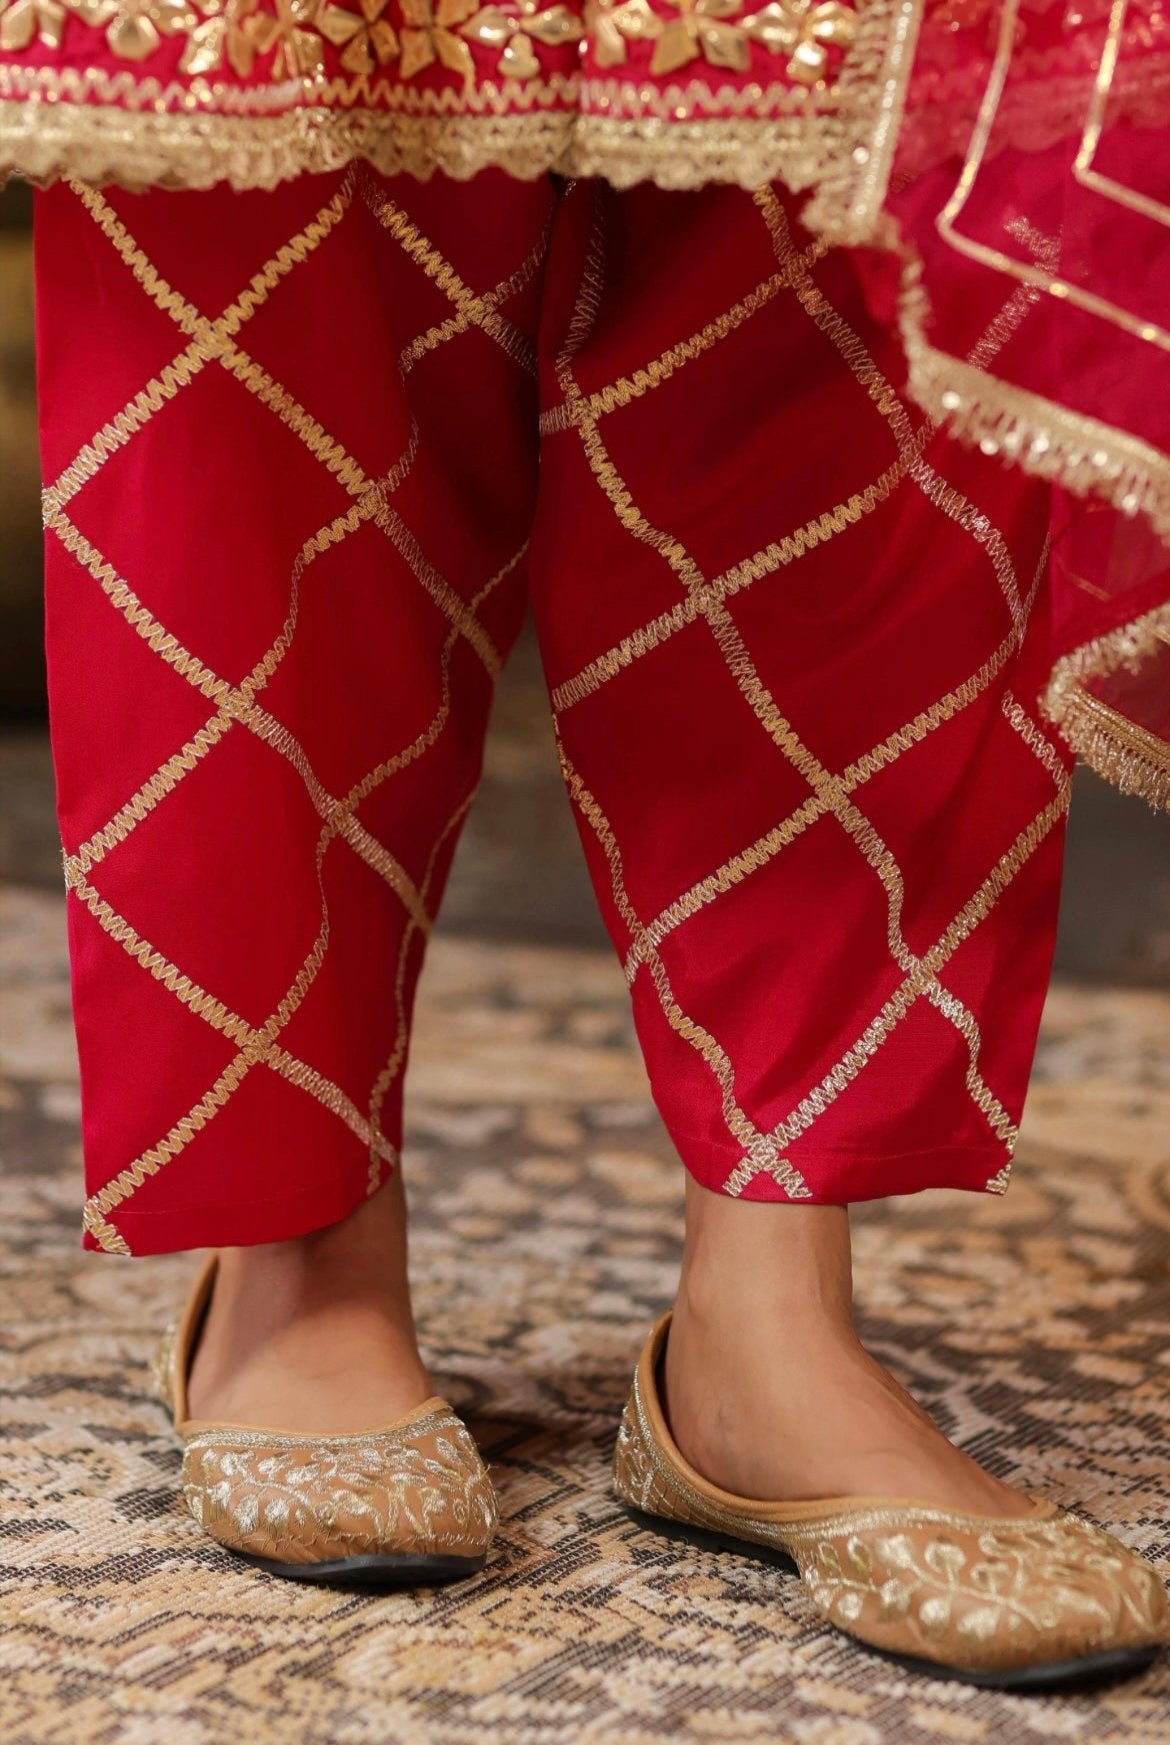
(301, 1500)
(998, 1598)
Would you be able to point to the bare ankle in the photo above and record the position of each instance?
(751, 1264)
(365, 1253)
(316, 1333)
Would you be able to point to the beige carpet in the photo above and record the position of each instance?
(546, 1211)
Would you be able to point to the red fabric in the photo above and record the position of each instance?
(794, 680)
(1012, 173)
(394, 63)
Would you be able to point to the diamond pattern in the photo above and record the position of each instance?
(780, 619)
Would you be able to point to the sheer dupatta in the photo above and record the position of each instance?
(1017, 180)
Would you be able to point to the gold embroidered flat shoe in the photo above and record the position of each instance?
(1046, 1600)
(408, 1504)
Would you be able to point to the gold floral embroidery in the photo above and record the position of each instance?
(701, 28)
(243, 31)
(366, 39)
(428, 34)
(291, 31)
(231, 30)
(135, 28)
(802, 30)
(609, 26)
(495, 28)
(421, 1487)
(805, 32)
(964, 1591)
(27, 21)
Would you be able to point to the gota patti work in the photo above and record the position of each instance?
(841, 537)
(125, 90)
(294, 515)
(973, 148)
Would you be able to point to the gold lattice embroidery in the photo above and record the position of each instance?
(830, 793)
(236, 705)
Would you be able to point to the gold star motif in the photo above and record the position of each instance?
(610, 27)
(701, 29)
(428, 35)
(135, 28)
(804, 32)
(290, 31)
(24, 22)
(493, 27)
(366, 39)
(226, 30)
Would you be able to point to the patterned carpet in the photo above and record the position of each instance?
(546, 1212)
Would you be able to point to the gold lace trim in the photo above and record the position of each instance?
(98, 85)
(104, 146)
(1091, 459)
(1126, 754)
(615, 98)
(525, 130)
(854, 173)
(835, 135)
(691, 154)
(1051, 441)
(1048, 440)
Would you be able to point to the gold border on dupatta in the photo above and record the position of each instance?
(1125, 753)
(1090, 459)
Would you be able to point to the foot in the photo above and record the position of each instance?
(314, 1335)
(769, 1392)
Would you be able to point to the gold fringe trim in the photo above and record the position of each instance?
(1089, 458)
(1129, 756)
(1051, 441)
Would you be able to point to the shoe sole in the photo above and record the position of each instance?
(403, 1569)
(1087, 1671)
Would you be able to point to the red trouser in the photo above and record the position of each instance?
(793, 641)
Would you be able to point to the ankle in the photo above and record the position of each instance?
(361, 1256)
(753, 1271)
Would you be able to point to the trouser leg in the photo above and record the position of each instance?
(287, 439)
(794, 646)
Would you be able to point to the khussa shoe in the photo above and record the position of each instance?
(1044, 1600)
(407, 1504)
